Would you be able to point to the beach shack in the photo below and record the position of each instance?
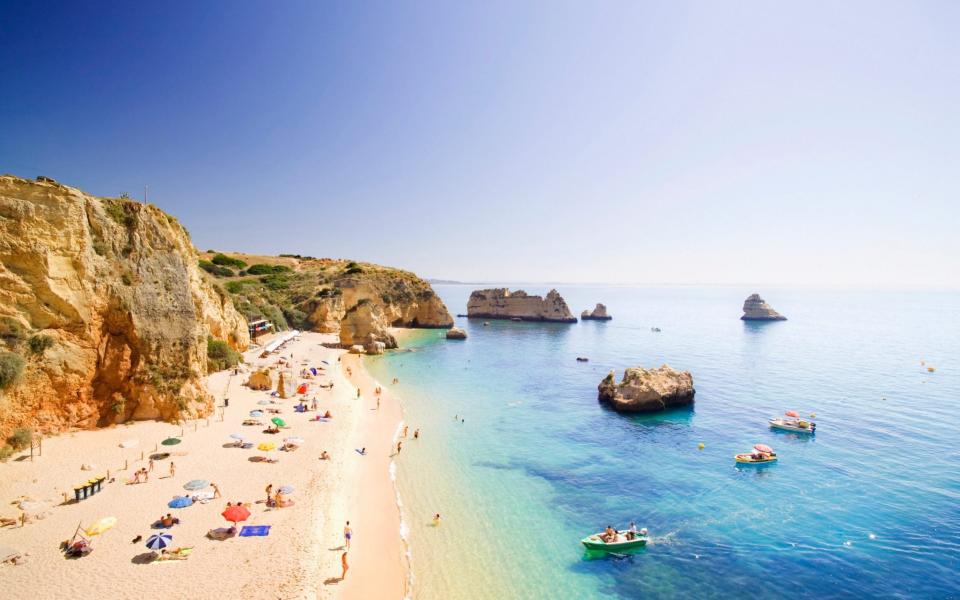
(259, 327)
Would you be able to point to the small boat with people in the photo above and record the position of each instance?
(791, 421)
(762, 454)
(611, 540)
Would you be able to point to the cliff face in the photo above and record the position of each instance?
(756, 308)
(647, 390)
(103, 301)
(599, 313)
(501, 303)
(356, 300)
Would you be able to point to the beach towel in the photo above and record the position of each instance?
(255, 530)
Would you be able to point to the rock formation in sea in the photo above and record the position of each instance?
(501, 303)
(328, 295)
(104, 313)
(456, 333)
(599, 313)
(756, 308)
(647, 390)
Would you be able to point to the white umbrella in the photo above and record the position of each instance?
(32, 506)
(294, 440)
(238, 436)
(129, 443)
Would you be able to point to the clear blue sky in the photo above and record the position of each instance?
(689, 142)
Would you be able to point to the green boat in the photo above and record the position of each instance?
(593, 542)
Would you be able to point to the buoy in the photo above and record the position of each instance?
(813, 415)
(930, 369)
(700, 445)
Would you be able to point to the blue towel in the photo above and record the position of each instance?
(254, 530)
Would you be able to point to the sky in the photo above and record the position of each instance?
(806, 143)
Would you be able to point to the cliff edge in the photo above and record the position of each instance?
(501, 303)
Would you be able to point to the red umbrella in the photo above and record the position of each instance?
(235, 514)
(757, 447)
(792, 413)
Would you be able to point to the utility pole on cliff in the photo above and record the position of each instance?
(146, 188)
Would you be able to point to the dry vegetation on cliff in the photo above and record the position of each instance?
(327, 295)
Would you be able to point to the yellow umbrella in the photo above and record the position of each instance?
(101, 526)
(266, 446)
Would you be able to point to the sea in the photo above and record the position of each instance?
(521, 461)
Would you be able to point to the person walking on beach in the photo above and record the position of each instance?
(216, 490)
(416, 433)
(347, 534)
(378, 402)
(358, 392)
(173, 469)
(150, 465)
(404, 431)
(269, 491)
(436, 520)
(399, 444)
(343, 563)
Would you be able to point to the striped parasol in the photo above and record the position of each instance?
(159, 541)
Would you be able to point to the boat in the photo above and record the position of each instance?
(762, 455)
(593, 542)
(793, 422)
(582, 359)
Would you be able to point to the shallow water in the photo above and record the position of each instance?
(868, 507)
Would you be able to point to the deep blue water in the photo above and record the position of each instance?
(869, 507)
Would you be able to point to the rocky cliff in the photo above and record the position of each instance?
(647, 390)
(103, 308)
(599, 313)
(501, 303)
(356, 300)
(756, 308)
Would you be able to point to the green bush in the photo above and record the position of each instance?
(275, 316)
(220, 355)
(329, 292)
(217, 270)
(20, 439)
(296, 318)
(275, 281)
(225, 261)
(123, 212)
(101, 248)
(261, 269)
(234, 287)
(39, 343)
(11, 367)
(5, 453)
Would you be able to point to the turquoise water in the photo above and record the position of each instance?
(870, 507)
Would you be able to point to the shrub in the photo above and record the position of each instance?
(121, 211)
(234, 287)
(217, 270)
(21, 438)
(329, 292)
(39, 343)
(261, 269)
(275, 281)
(11, 331)
(124, 196)
(5, 453)
(11, 367)
(101, 248)
(225, 261)
(275, 316)
(220, 355)
(296, 318)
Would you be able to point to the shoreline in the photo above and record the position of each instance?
(303, 544)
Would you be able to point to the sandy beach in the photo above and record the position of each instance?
(301, 555)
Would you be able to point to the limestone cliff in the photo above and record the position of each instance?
(501, 303)
(756, 308)
(647, 390)
(599, 313)
(356, 300)
(103, 302)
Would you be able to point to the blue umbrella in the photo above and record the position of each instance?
(256, 413)
(159, 541)
(180, 502)
(285, 489)
(196, 484)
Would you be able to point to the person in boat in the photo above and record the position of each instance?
(632, 531)
(609, 534)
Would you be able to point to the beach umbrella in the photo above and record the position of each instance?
(101, 526)
(285, 489)
(32, 506)
(278, 422)
(256, 413)
(196, 484)
(159, 541)
(324, 362)
(171, 441)
(235, 514)
(266, 446)
(763, 448)
(238, 436)
(180, 502)
(129, 443)
(294, 440)
(263, 402)
(792, 413)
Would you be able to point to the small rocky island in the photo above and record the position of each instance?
(456, 333)
(501, 303)
(599, 314)
(647, 390)
(756, 308)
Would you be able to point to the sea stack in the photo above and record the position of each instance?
(599, 314)
(647, 390)
(501, 303)
(456, 333)
(756, 308)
